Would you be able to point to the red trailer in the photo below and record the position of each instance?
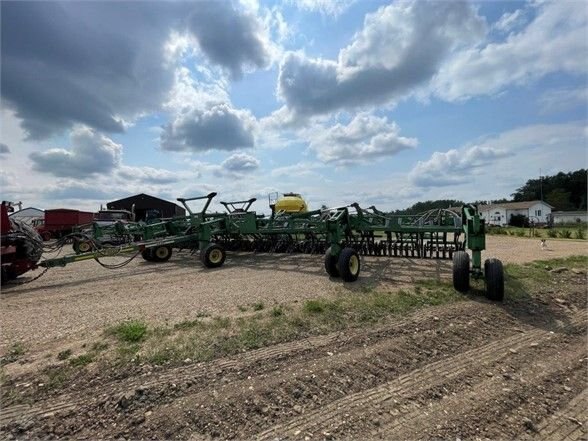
(61, 221)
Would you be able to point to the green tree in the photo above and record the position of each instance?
(559, 199)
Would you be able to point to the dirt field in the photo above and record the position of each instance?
(470, 369)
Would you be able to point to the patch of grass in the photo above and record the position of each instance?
(565, 234)
(552, 233)
(187, 324)
(15, 351)
(99, 346)
(580, 233)
(132, 331)
(242, 308)
(64, 355)
(81, 360)
(277, 311)
(258, 306)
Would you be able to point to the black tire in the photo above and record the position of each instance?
(331, 264)
(461, 271)
(84, 246)
(494, 277)
(161, 253)
(213, 256)
(147, 255)
(349, 265)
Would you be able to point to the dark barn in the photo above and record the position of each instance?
(147, 207)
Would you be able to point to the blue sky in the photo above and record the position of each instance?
(383, 103)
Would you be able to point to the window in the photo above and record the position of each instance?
(537, 212)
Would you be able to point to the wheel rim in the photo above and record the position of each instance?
(215, 256)
(162, 252)
(353, 264)
(84, 247)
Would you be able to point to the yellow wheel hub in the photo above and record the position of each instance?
(354, 264)
(215, 256)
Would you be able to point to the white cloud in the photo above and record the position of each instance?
(219, 127)
(91, 153)
(555, 41)
(515, 154)
(510, 20)
(364, 138)
(454, 166)
(561, 100)
(240, 162)
(149, 175)
(332, 8)
(399, 48)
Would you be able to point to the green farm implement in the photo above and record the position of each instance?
(342, 234)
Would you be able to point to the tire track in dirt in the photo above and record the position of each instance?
(360, 361)
(330, 418)
(257, 360)
(570, 423)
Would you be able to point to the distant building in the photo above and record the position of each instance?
(569, 217)
(538, 212)
(147, 207)
(28, 215)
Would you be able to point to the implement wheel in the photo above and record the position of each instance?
(84, 246)
(494, 278)
(147, 255)
(349, 265)
(331, 264)
(161, 253)
(461, 271)
(213, 256)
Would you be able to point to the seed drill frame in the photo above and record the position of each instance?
(343, 234)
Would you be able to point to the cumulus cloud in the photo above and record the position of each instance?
(230, 36)
(400, 47)
(240, 162)
(365, 137)
(91, 153)
(104, 64)
(218, 127)
(76, 191)
(4, 149)
(454, 166)
(499, 158)
(555, 41)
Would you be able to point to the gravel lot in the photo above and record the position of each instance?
(80, 300)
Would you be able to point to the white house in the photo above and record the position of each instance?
(499, 214)
(569, 217)
(27, 215)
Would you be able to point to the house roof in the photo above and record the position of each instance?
(25, 209)
(513, 205)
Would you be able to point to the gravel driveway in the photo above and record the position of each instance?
(80, 300)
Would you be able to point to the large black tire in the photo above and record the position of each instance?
(331, 264)
(349, 265)
(161, 253)
(461, 271)
(494, 277)
(147, 255)
(213, 256)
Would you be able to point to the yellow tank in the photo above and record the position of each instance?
(291, 203)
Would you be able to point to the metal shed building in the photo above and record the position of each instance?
(147, 207)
